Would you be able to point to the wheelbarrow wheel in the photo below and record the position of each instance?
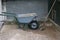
(33, 25)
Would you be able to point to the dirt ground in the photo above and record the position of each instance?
(11, 32)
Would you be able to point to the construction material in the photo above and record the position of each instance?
(57, 27)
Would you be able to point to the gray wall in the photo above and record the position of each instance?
(57, 8)
(39, 7)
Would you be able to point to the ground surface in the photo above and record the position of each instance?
(11, 32)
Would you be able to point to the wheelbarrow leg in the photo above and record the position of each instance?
(23, 26)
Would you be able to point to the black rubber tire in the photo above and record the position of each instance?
(30, 25)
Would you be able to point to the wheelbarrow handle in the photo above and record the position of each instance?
(6, 15)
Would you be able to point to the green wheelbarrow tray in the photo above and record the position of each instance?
(26, 18)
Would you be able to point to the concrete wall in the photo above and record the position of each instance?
(0, 7)
(39, 7)
(1, 17)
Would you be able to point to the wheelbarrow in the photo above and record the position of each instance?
(30, 19)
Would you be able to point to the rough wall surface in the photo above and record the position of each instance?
(39, 7)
